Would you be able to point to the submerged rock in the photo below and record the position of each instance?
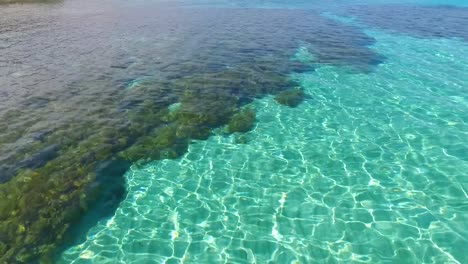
(59, 181)
(291, 98)
(242, 122)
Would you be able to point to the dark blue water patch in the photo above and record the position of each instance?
(107, 192)
(9, 168)
(251, 36)
(420, 21)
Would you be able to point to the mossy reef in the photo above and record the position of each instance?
(57, 178)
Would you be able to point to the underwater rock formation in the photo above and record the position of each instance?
(291, 98)
(53, 190)
(243, 121)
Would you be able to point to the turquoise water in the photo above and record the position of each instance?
(370, 168)
(117, 142)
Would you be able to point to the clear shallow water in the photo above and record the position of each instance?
(370, 169)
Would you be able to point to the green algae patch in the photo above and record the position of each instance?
(54, 180)
(291, 97)
(37, 207)
(243, 121)
(163, 143)
(42, 202)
